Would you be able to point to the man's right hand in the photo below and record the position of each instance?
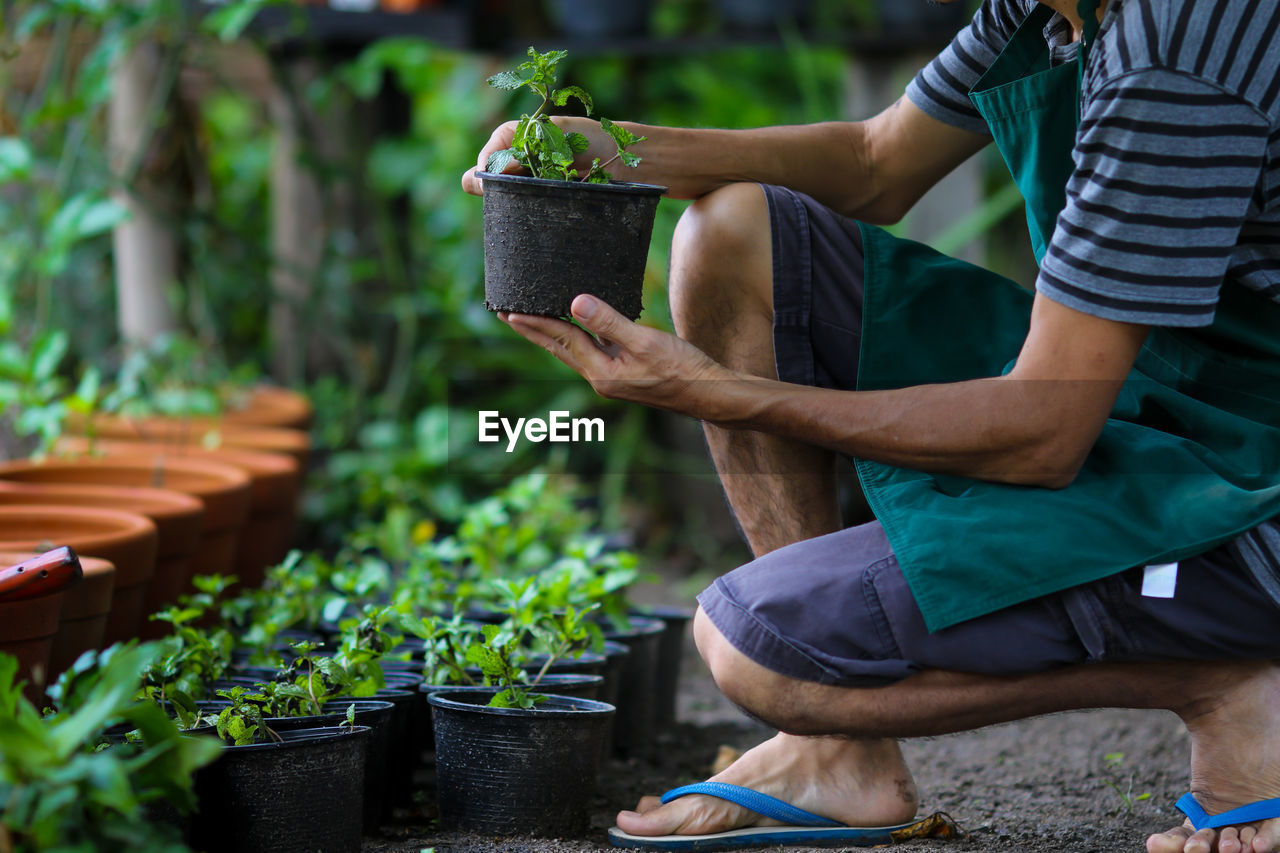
(601, 146)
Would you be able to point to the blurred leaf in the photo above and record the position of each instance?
(15, 159)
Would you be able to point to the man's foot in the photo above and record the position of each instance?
(857, 782)
(1235, 760)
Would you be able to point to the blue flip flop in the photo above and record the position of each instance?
(801, 827)
(1252, 813)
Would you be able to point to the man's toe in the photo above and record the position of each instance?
(1172, 841)
(650, 820)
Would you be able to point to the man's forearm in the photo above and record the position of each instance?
(873, 170)
(828, 161)
(999, 429)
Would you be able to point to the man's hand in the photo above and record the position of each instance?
(628, 362)
(601, 146)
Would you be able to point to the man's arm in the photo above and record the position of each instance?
(874, 170)
(1034, 426)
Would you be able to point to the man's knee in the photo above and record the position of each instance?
(780, 701)
(722, 238)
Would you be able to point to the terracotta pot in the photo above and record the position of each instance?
(179, 519)
(224, 491)
(84, 610)
(126, 539)
(210, 432)
(275, 486)
(27, 629)
(272, 406)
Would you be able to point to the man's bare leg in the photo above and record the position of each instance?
(781, 491)
(1232, 711)
(722, 302)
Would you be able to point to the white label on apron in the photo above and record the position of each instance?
(1160, 581)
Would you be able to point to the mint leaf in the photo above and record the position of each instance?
(499, 160)
(577, 142)
(562, 97)
(508, 81)
(621, 136)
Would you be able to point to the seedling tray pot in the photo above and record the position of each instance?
(300, 796)
(575, 685)
(545, 242)
(670, 655)
(508, 771)
(376, 715)
(635, 724)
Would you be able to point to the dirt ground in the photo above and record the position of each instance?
(1055, 783)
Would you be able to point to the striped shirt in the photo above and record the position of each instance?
(1176, 188)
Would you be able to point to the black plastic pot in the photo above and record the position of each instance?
(418, 721)
(635, 724)
(545, 242)
(670, 656)
(299, 796)
(588, 19)
(575, 685)
(405, 737)
(415, 647)
(507, 771)
(374, 714)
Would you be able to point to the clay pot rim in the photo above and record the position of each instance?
(119, 521)
(255, 463)
(163, 504)
(227, 478)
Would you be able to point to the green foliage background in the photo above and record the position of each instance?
(399, 344)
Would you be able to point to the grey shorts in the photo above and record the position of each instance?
(838, 610)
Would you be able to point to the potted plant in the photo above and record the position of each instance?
(61, 791)
(555, 234)
(299, 790)
(542, 778)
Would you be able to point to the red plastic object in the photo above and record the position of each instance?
(48, 572)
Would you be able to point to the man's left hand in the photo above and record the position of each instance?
(626, 361)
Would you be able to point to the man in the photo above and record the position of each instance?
(1073, 494)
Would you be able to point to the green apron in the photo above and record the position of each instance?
(1190, 456)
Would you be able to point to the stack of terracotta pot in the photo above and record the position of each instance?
(158, 501)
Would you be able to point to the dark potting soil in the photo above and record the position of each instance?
(1036, 785)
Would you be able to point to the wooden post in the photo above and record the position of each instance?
(297, 233)
(145, 246)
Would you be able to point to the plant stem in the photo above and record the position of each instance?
(600, 168)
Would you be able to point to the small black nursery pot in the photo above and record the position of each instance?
(510, 771)
(637, 717)
(376, 715)
(670, 656)
(547, 241)
(298, 796)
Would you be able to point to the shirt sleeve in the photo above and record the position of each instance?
(1166, 168)
(941, 89)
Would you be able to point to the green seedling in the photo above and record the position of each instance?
(1113, 767)
(447, 641)
(538, 144)
(242, 723)
(499, 658)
